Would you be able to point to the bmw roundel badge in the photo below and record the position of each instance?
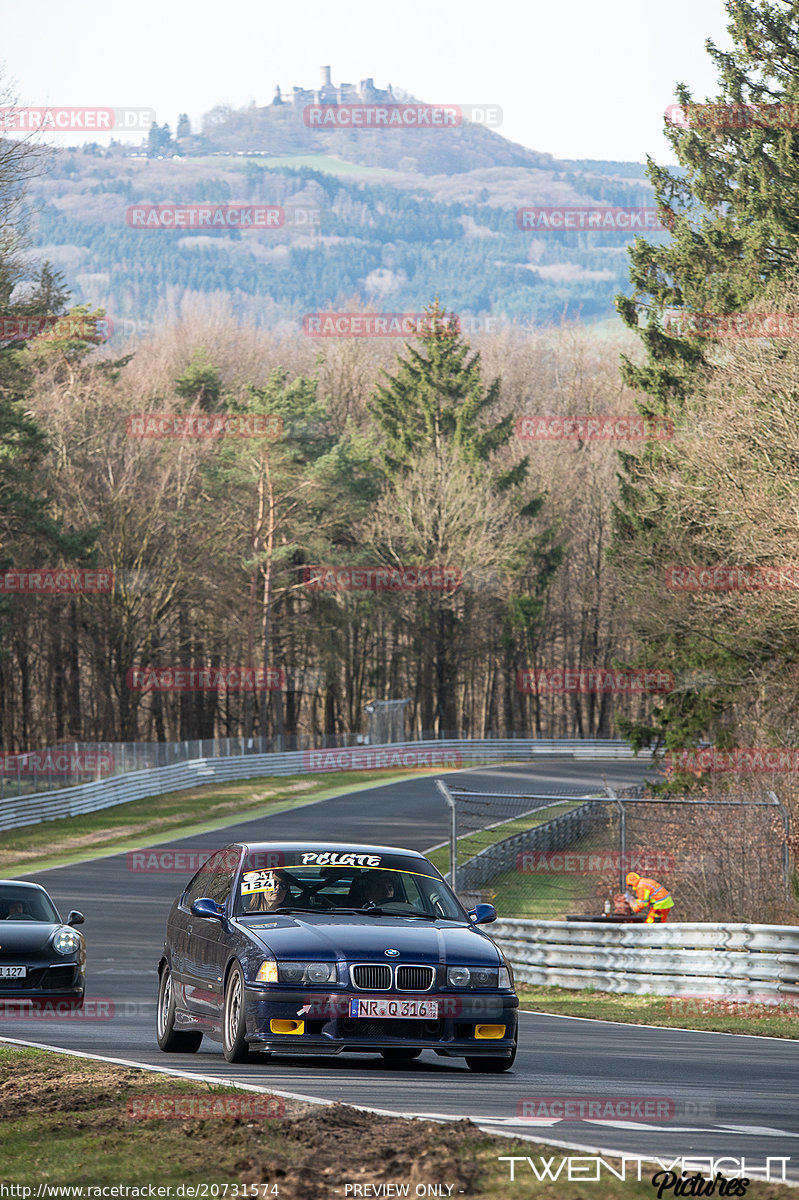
(392, 953)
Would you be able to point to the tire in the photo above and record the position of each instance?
(172, 1040)
(399, 1054)
(491, 1064)
(234, 1028)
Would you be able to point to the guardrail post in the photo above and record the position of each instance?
(453, 835)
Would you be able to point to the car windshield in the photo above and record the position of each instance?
(390, 887)
(25, 904)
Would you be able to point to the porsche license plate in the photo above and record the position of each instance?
(382, 1006)
(13, 972)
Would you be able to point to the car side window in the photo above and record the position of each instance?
(222, 870)
(198, 886)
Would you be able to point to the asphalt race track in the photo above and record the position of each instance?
(735, 1096)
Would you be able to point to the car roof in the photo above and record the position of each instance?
(322, 844)
(23, 883)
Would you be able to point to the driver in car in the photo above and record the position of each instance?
(377, 887)
(15, 909)
(272, 893)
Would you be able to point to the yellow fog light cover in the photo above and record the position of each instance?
(489, 1031)
(278, 1026)
(267, 972)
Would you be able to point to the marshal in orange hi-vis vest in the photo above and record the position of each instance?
(648, 893)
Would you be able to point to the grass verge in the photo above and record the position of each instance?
(717, 1015)
(191, 811)
(66, 1121)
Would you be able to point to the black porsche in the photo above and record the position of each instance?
(307, 948)
(41, 956)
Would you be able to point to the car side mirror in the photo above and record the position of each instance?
(75, 918)
(482, 914)
(205, 907)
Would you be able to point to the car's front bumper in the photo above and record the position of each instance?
(466, 1024)
(46, 980)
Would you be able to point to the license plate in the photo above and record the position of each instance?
(423, 1010)
(13, 972)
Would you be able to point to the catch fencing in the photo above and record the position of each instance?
(677, 959)
(30, 809)
(552, 856)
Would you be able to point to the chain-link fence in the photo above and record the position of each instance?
(552, 857)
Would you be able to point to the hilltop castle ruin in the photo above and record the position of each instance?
(329, 93)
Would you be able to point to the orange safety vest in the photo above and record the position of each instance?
(649, 891)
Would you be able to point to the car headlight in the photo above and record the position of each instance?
(306, 972)
(66, 941)
(267, 972)
(474, 977)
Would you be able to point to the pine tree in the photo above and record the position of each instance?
(731, 210)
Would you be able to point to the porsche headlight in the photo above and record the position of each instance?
(306, 972)
(66, 941)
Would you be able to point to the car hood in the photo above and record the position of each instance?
(25, 935)
(318, 936)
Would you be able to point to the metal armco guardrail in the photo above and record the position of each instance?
(437, 755)
(678, 958)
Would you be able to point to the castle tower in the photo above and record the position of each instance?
(326, 78)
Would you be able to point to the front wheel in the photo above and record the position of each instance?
(234, 1029)
(170, 1039)
(491, 1064)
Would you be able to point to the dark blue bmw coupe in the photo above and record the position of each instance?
(312, 948)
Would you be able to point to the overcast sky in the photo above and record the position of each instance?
(575, 78)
